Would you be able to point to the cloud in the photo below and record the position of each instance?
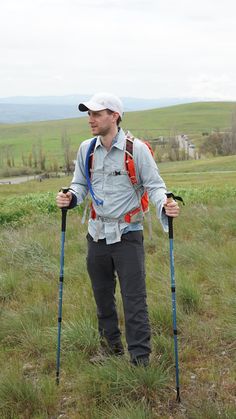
(217, 86)
(154, 47)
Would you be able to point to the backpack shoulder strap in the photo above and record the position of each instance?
(129, 147)
(131, 170)
(129, 159)
(88, 165)
(89, 156)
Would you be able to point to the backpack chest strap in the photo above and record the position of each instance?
(113, 173)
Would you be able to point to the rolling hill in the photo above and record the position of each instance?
(191, 119)
(45, 108)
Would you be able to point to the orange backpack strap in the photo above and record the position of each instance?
(129, 160)
(130, 167)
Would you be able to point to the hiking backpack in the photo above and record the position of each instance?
(131, 171)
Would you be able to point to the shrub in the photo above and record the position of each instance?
(14, 209)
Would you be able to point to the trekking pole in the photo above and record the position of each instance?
(63, 233)
(170, 197)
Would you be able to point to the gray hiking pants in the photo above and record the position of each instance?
(126, 258)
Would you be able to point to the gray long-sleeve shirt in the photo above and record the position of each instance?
(116, 191)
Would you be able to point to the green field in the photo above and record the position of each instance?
(225, 163)
(191, 119)
(205, 254)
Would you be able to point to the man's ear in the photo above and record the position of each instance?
(116, 116)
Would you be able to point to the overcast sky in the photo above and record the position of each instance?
(135, 48)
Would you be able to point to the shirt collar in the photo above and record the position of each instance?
(118, 141)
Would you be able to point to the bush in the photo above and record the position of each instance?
(14, 209)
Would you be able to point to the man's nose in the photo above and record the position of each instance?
(90, 118)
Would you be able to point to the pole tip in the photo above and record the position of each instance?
(57, 377)
(178, 396)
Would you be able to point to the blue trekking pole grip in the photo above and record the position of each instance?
(61, 278)
(170, 197)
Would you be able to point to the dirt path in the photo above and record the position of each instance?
(16, 180)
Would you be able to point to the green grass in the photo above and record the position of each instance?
(192, 119)
(221, 164)
(129, 410)
(21, 398)
(205, 254)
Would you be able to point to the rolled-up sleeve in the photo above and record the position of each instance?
(78, 185)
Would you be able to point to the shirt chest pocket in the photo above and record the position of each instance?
(110, 176)
(118, 180)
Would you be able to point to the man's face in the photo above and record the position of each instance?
(101, 122)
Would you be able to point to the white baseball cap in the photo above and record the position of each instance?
(101, 101)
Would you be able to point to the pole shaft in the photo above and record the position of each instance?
(173, 298)
(61, 278)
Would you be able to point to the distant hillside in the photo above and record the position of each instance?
(188, 118)
(191, 119)
(46, 108)
(15, 113)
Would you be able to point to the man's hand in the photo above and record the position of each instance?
(63, 200)
(172, 209)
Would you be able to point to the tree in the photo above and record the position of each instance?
(67, 152)
(213, 144)
(233, 132)
(34, 156)
(9, 156)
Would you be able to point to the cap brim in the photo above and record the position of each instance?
(90, 106)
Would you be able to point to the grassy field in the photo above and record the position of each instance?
(218, 171)
(192, 119)
(216, 164)
(205, 254)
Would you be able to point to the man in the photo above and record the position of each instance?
(115, 245)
